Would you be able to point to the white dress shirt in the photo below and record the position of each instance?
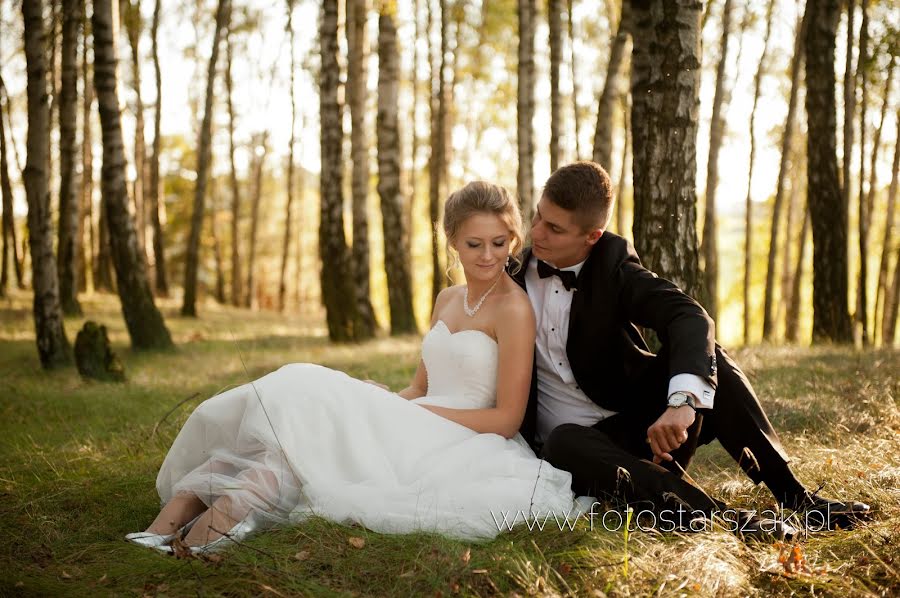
(560, 400)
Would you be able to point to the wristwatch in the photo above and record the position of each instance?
(680, 398)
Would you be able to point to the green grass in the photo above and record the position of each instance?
(78, 463)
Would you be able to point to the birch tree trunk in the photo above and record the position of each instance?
(887, 243)
(438, 159)
(68, 247)
(792, 316)
(576, 121)
(237, 292)
(602, 151)
(786, 145)
(133, 28)
(873, 179)
(849, 104)
(396, 239)
(155, 191)
(664, 128)
(7, 224)
(862, 303)
(357, 50)
(204, 157)
(525, 108)
(144, 322)
(709, 246)
(53, 347)
(288, 217)
(554, 21)
(261, 149)
(337, 291)
(828, 211)
(748, 204)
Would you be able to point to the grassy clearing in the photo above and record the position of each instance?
(78, 463)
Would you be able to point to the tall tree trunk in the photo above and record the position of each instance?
(133, 28)
(886, 245)
(437, 161)
(709, 246)
(103, 278)
(143, 320)
(288, 217)
(357, 51)
(10, 231)
(554, 22)
(414, 123)
(301, 296)
(261, 148)
(217, 245)
(154, 191)
(337, 291)
(792, 317)
(525, 108)
(849, 104)
(891, 303)
(204, 157)
(873, 180)
(7, 225)
(68, 248)
(664, 128)
(787, 261)
(603, 133)
(52, 345)
(862, 303)
(786, 145)
(576, 121)
(396, 239)
(87, 253)
(237, 291)
(748, 204)
(623, 165)
(828, 212)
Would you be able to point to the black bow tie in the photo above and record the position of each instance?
(567, 277)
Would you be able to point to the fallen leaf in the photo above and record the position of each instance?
(467, 556)
(65, 575)
(102, 579)
(479, 571)
(565, 568)
(20, 584)
(454, 587)
(302, 555)
(357, 542)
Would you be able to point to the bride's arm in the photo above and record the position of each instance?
(515, 329)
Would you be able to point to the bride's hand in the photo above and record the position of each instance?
(378, 384)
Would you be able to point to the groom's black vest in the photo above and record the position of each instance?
(610, 359)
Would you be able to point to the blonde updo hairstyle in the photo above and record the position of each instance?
(480, 197)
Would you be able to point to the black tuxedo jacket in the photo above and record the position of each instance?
(609, 357)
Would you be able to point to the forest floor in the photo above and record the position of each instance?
(78, 463)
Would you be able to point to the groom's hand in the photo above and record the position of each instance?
(669, 432)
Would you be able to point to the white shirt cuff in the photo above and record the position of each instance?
(695, 385)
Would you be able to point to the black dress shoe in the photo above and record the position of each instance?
(820, 514)
(751, 526)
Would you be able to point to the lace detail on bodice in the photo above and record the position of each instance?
(461, 366)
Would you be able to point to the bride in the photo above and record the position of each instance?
(442, 455)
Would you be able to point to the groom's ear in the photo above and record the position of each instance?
(594, 236)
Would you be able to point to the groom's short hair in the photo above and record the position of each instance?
(584, 188)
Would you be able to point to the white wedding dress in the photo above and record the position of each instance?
(307, 440)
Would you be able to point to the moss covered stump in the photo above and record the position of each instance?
(94, 357)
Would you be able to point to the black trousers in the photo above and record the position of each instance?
(613, 460)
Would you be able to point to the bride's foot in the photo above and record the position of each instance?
(216, 522)
(179, 512)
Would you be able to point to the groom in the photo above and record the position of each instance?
(623, 421)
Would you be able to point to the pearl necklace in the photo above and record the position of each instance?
(471, 311)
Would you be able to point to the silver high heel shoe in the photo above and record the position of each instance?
(240, 531)
(160, 541)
